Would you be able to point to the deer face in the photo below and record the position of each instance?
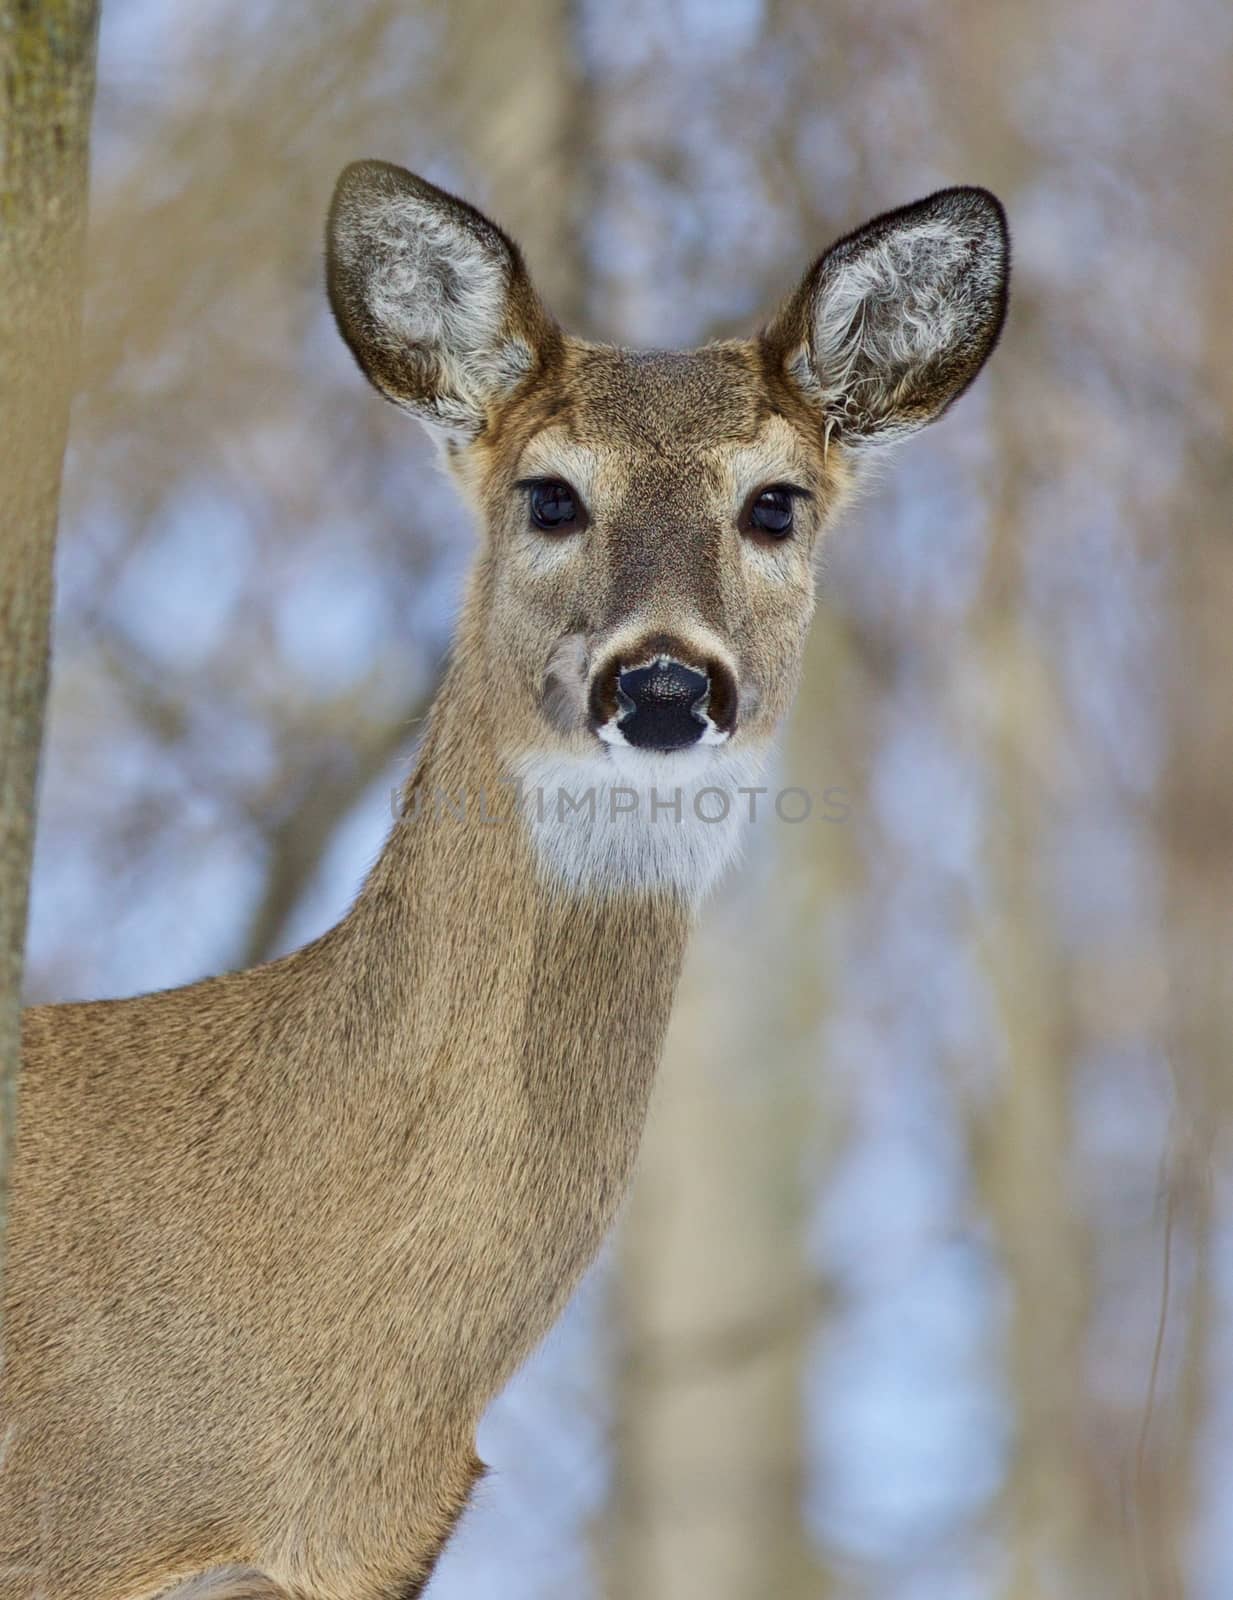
(652, 518)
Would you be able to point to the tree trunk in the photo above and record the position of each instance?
(520, 112)
(47, 50)
(717, 1304)
(717, 1315)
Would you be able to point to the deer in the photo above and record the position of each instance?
(278, 1237)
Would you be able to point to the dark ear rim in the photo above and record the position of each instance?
(939, 202)
(357, 181)
(790, 327)
(361, 177)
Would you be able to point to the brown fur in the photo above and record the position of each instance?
(278, 1237)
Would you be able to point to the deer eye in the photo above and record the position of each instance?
(771, 511)
(554, 506)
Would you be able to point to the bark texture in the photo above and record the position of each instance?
(47, 53)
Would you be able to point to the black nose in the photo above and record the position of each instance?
(662, 706)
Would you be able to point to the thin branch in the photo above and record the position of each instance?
(298, 842)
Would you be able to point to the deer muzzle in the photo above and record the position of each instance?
(663, 702)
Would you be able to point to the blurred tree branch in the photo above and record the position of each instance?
(297, 843)
(47, 54)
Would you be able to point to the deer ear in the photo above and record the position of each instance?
(431, 297)
(896, 319)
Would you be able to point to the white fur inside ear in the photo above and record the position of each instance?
(433, 285)
(432, 281)
(886, 312)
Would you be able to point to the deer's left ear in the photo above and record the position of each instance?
(432, 298)
(896, 319)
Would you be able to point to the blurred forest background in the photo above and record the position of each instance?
(925, 1291)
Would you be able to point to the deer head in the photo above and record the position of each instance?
(651, 518)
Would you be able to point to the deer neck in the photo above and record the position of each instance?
(498, 1037)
